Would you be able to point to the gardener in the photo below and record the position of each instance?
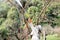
(35, 30)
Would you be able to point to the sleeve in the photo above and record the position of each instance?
(31, 26)
(31, 33)
(40, 28)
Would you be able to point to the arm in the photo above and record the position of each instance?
(30, 23)
(30, 35)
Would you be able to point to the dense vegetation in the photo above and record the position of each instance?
(10, 17)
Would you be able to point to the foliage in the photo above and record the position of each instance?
(9, 17)
(3, 9)
(53, 13)
(34, 10)
(2, 20)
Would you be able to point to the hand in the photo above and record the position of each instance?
(30, 36)
(29, 20)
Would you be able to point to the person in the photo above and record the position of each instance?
(35, 30)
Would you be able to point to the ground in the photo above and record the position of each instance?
(53, 37)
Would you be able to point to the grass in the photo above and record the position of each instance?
(52, 37)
